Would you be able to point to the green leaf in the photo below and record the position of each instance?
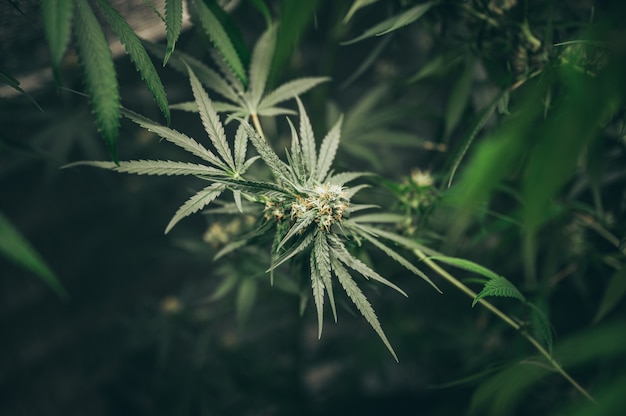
(356, 5)
(301, 224)
(613, 294)
(17, 249)
(289, 90)
(467, 265)
(318, 293)
(225, 287)
(173, 136)
(271, 159)
(152, 167)
(15, 84)
(100, 78)
(211, 121)
(296, 163)
(246, 296)
(379, 218)
(198, 201)
(265, 11)
(399, 259)
(321, 250)
(260, 65)
(137, 54)
(296, 248)
(307, 142)
(342, 254)
(241, 149)
(208, 77)
(458, 99)
(173, 25)
(541, 324)
(501, 287)
(216, 31)
(359, 299)
(328, 150)
(394, 23)
(57, 24)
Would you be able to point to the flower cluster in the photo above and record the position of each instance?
(327, 201)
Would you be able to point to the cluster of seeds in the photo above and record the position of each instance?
(327, 203)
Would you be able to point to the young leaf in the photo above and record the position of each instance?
(57, 24)
(198, 201)
(328, 149)
(395, 22)
(296, 248)
(213, 27)
(301, 224)
(211, 121)
(260, 65)
(241, 148)
(499, 286)
(173, 25)
(137, 54)
(271, 159)
(359, 299)
(17, 249)
(102, 86)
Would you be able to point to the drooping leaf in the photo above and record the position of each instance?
(501, 287)
(173, 25)
(289, 90)
(198, 201)
(99, 71)
(360, 301)
(175, 137)
(211, 121)
(394, 23)
(17, 249)
(219, 36)
(137, 54)
(153, 167)
(356, 5)
(260, 65)
(57, 23)
(328, 149)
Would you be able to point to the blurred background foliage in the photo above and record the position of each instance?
(496, 127)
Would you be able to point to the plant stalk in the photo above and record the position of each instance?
(257, 125)
(459, 285)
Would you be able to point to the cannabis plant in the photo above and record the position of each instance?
(306, 205)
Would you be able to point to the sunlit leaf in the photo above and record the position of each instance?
(198, 201)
